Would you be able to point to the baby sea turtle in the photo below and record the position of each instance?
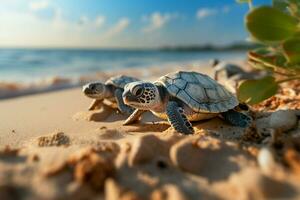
(231, 75)
(111, 90)
(182, 97)
(229, 70)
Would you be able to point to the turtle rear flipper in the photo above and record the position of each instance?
(177, 119)
(236, 118)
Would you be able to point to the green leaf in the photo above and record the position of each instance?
(267, 24)
(255, 91)
(293, 2)
(291, 50)
(269, 58)
(281, 5)
(288, 6)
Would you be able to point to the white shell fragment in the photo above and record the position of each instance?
(283, 120)
(266, 160)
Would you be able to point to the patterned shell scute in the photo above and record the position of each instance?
(173, 88)
(120, 81)
(199, 91)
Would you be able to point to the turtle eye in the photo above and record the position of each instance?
(92, 87)
(137, 91)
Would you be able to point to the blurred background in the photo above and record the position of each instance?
(71, 38)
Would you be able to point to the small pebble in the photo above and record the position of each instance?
(266, 161)
(283, 120)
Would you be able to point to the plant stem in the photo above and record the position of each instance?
(281, 73)
(288, 79)
(250, 4)
(273, 67)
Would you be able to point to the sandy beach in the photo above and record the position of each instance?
(53, 148)
(149, 100)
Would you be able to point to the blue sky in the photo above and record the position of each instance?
(121, 23)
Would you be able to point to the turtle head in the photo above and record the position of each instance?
(141, 95)
(95, 90)
(214, 62)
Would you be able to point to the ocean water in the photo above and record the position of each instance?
(29, 65)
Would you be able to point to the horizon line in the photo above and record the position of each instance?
(164, 47)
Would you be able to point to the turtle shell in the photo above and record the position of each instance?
(120, 81)
(199, 92)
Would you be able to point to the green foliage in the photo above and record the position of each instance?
(291, 49)
(267, 24)
(255, 91)
(281, 5)
(278, 29)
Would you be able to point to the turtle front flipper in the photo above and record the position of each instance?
(95, 104)
(236, 118)
(134, 117)
(177, 119)
(122, 107)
